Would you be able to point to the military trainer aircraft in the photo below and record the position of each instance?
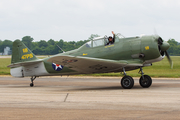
(94, 57)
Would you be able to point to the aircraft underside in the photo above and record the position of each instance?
(39, 69)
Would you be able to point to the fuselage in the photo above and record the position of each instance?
(144, 49)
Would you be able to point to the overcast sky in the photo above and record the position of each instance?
(74, 20)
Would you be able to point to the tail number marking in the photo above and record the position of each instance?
(25, 50)
(27, 56)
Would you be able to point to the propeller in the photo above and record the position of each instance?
(169, 59)
(163, 47)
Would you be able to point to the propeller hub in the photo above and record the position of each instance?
(165, 46)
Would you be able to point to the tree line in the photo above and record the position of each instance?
(174, 49)
(50, 47)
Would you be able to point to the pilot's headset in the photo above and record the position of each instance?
(110, 37)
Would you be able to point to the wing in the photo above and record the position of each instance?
(91, 65)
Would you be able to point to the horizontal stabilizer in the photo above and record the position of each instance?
(24, 63)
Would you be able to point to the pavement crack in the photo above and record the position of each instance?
(66, 97)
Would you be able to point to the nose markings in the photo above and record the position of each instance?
(147, 47)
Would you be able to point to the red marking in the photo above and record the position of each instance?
(70, 61)
(57, 65)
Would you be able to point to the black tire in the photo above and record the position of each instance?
(31, 84)
(127, 82)
(146, 82)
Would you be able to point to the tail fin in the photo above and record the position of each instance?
(20, 53)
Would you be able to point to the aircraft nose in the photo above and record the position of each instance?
(165, 46)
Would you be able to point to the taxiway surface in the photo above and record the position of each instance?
(87, 98)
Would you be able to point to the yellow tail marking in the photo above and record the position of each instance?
(27, 56)
(25, 50)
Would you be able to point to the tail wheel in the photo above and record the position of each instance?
(31, 84)
(32, 81)
(146, 82)
(127, 82)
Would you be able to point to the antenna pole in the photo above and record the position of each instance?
(60, 48)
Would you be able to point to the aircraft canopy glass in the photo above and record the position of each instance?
(88, 44)
(99, 41)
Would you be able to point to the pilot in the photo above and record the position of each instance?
(111, 39)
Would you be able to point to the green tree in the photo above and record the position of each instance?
(172, 42)
(50, 50)
(51, 42)
(93, 36)
(34, 44)
(27, 40)
(6, 43)
(1, 48)
(173, 49)
(42, 43)
(60, 43)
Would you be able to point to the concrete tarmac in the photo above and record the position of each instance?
(87, 98)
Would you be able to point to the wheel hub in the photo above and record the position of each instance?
(126, 82)
(145, 81)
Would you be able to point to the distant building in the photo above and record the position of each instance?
(7, 51)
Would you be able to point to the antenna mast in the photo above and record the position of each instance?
(60, 48)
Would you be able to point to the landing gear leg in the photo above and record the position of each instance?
(145, 81)
(127, 82)
(124, 72)
(141, 72)
(32, 80)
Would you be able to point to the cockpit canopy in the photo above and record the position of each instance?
(101, 41)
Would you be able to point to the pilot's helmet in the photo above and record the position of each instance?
(109, 37)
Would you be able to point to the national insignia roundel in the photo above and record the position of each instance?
(57, 67)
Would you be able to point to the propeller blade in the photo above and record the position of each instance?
(169, 59)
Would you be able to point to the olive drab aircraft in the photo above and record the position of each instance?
(94, 57)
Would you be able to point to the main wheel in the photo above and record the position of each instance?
(127, 82)
(146, 82)
(31, 84)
